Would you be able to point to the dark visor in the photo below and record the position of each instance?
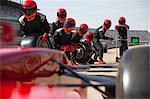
(83, 30)
(28, 12)
(68, 24)
(122, 21)
(108, 25)
(62, 15)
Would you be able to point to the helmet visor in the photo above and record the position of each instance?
(68, 24)
(83, 31)
(28, 12)
(108, 25)
(61, 15)
(122, 21)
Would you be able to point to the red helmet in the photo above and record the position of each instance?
(29, 9)
(82, 29)
(107, 24)
(61, 14)
(122, 20)
(7, 32)
(69, 24)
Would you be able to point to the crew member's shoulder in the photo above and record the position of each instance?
(56, 22)
(74, 32)
(60, 29)
(127, 26)
(42, 17)
(21, 20)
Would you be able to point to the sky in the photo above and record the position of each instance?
(94, 12)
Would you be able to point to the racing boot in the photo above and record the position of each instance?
(119, 59)
(91, 61)
(101, 61)
(95, 59)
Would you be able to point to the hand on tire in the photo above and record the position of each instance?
(44, 37)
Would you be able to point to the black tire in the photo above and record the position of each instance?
(111, 91)
(36, 42)
(83, 53)
(39, 43)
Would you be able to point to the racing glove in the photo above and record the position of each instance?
(44, 37)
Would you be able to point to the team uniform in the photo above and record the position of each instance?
(38, 26)
(122, 29)
(56, 25)
(33, 23)
(61, 17)
(62, 37)
(78, 35)
(100, 34)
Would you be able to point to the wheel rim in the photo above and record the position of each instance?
(79, 53)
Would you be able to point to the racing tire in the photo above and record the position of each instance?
(83, 53)
(39, 43)
(35, 42)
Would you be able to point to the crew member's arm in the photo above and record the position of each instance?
(22, 30)
(57, 40)
(46, 25)
(53, 28)
(102, 34)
